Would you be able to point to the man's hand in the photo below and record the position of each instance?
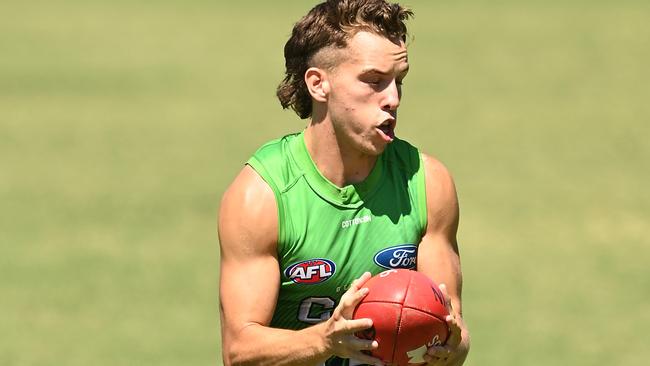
(340, 328)
(454, 352)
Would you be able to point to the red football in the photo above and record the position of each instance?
(408, 313)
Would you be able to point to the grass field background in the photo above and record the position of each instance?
(121, 124)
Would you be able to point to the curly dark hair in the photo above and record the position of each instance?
(333, 23)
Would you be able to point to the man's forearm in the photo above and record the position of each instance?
(259, 345)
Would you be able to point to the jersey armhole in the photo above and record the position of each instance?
(422, 194)
(263, 172)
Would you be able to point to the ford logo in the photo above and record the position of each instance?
(401, 256)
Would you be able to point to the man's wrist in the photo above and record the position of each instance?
(319, 340)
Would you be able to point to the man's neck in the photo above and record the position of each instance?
(336, 160)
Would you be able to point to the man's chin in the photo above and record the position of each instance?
(379, 148)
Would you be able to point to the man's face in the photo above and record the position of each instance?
(365, 92)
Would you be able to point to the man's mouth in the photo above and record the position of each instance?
(387, 130)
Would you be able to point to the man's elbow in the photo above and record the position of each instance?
(234, 355)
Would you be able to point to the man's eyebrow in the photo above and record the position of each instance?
(373, 70)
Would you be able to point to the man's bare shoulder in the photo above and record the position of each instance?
(436, 171)
(248, 187)
(442, 201)
(248, 212)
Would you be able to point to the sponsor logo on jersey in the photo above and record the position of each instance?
(401, 256)
(311, 271)
(356, 221)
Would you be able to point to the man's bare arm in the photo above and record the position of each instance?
(249, 286)
(438, 255)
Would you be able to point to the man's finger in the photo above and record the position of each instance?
(438, 352)
(445, 293)
(362, 358)
(364, 344)
(351, 300)
(357, 325)
(454, 331)
(356, 284)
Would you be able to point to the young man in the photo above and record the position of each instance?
(312, 215)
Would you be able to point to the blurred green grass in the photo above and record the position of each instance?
(122, 123)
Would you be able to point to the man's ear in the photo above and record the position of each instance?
(317, 84)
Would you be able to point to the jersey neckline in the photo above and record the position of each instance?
(352, 195)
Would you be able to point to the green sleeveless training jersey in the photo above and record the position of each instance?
(328, 236)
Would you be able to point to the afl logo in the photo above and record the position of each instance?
(311, 271)
(401, 256)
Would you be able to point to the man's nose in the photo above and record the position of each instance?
(392, 96)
